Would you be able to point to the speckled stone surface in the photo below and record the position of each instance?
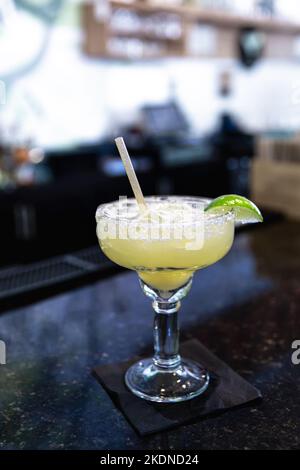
(246, 309)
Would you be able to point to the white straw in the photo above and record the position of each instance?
(131, 173)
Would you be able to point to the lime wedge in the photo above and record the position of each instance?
(245, 211)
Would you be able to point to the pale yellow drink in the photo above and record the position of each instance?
(167, 263)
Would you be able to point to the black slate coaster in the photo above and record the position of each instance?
(226, 390)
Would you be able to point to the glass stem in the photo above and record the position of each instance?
(166, 335)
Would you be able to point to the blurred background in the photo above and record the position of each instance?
(205, 93)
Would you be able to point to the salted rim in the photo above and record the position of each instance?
(104, 210)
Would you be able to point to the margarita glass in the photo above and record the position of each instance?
(165, 245)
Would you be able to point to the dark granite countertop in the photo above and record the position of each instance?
(245, 308)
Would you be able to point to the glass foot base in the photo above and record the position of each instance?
(153, 383)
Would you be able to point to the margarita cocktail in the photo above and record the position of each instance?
(165, 245)
(165, 240)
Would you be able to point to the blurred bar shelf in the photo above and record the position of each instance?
(218, 18)
(104, 40)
